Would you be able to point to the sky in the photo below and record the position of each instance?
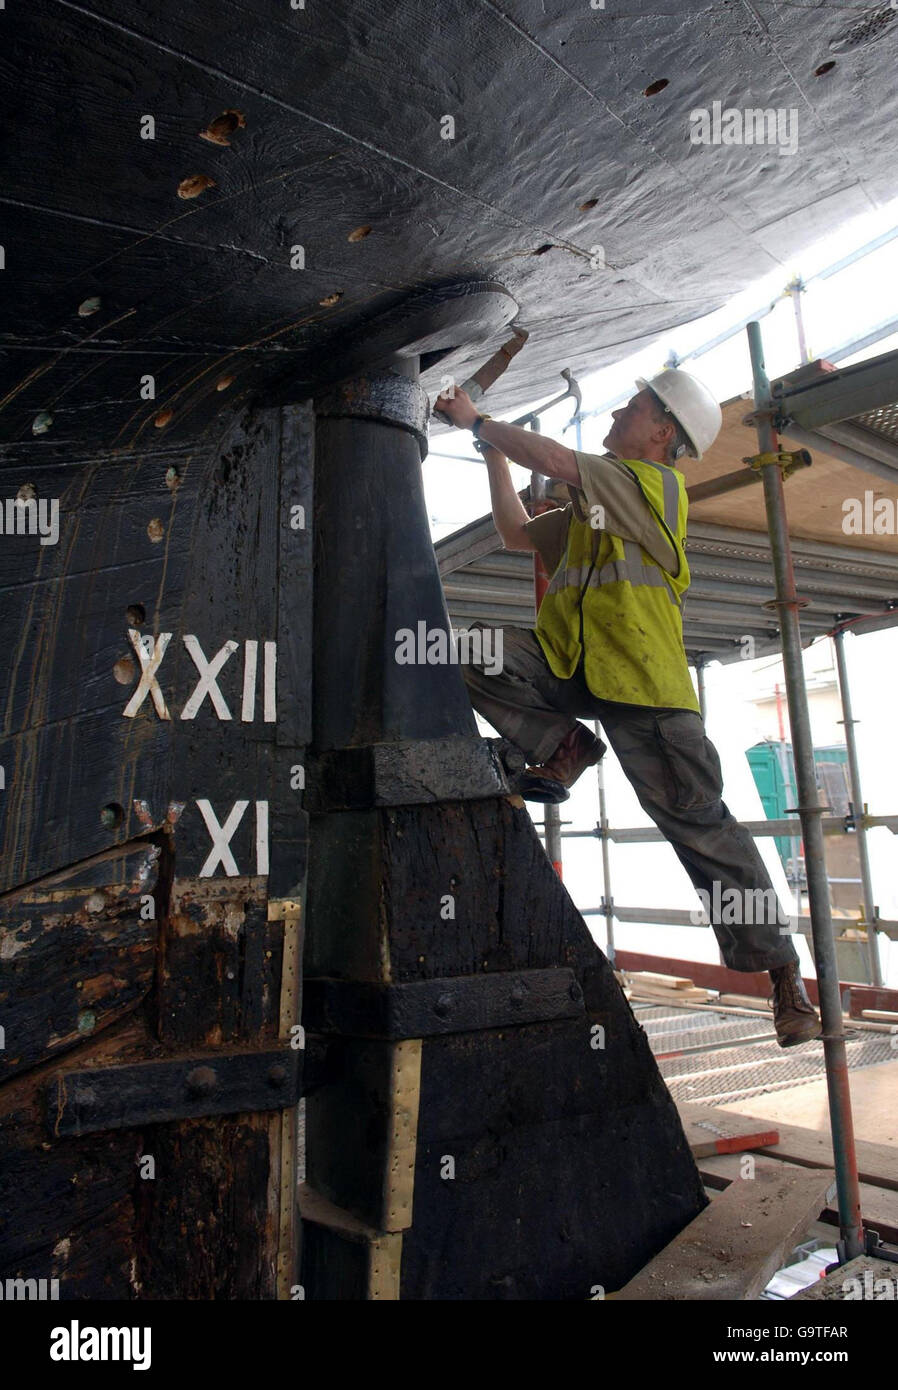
(837, 309)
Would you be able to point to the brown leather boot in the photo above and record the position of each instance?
(577, 751)
(794, 1016)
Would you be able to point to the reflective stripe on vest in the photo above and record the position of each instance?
(631, 568)
(607, 587)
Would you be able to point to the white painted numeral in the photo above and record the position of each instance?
(207, 683)
(150, 652)
(269, 669)
(268, 677)
(250, 661)
(221, 836)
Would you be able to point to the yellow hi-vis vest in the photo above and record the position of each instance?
(610, 600)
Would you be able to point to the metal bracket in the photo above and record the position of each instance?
(172, 1088)
(787, 459)
(425, 1008)
(874, 1245)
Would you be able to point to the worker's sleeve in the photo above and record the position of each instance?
(625, 512)
(548, 531)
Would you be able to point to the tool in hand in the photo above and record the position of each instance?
(491, 370)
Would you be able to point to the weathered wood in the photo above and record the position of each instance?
(208, 966)
(217, 930)
(194, 582)
(552, 1138)
(75, 959)
(736, 1245)
(339, 1251)
(67, 1208)
(208, 1224)
(724, 1136)
(811, 1148)
(879, 1206)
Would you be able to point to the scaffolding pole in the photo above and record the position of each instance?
(787, 604)
(700, 685)
(858, 809)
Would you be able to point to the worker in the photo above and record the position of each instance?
(608, 645)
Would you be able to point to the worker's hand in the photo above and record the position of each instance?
(458, 409)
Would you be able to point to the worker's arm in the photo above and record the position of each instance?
(530, 450)
(509, 513)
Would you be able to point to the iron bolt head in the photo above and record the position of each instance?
(201, 1081)
(277, 1076)
(443, 1006)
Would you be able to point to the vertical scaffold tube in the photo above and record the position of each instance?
(857, 798)
(810, 811)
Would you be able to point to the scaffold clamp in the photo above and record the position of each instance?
(787, 459)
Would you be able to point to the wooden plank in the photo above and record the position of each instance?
(669, 996)
(754, 987)
(879, 1207)
(76, 958)
(724, 1136)
(67, 1208)
(873, 1108)
(736, 1245)
(864, 997)
(703, 974)
(811, 1148)
(646, 977)
(744, 1001)
(864, 1278)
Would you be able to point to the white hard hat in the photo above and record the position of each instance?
(690, 403)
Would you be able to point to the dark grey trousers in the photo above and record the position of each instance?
(675, 771)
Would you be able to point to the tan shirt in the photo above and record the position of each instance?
(605, 483)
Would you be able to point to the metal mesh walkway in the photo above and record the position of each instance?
(727, 1075)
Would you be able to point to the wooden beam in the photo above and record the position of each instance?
(724, 1135)
(735, 1246)
(879, 1207)
(810, 1148)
